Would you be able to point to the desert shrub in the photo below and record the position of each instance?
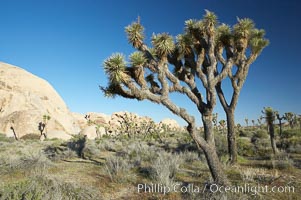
(30, 136)
(263, 147)
(245, 133)
(59, 151)
(245, 147)
(291, 133)
(190, 156)
(250, 174)
(118, 168)
(165, 167)
(221, 144)
(77, 143)
(30, 161)
(3, 138)
(108, 144)
(139, 151)
(41, 187)
(282, 161)
(90, 150)
(261, 134)
(295, 149)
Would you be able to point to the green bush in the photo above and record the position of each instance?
(245, 133)
(245, 147)
(30, 136)
(58, 151)
(263, 147)
(221, 144)
(261, 134)
(291, 133)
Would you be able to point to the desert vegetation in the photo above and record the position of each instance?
(111, 167)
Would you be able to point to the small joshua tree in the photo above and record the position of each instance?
(279, 118)
(289, 117)
(222, 123)
(270, 118)
(214, 119)
(247, 122)
(253, 123)
(43, 126)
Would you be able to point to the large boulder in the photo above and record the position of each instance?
(25, 99)
(171, 123)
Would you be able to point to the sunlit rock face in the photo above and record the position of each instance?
(25, 98)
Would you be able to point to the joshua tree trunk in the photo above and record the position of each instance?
(272, 137)
(208, 148)
(232, 147)
(213, 161)
(229, 110)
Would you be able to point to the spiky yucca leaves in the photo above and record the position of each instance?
(269, 115)
(224, 34)
(210, 21)
(184, 44)
(137, 59)
(135, 34)
(163, 44)
(115, 67)
(257, 41)
(114, 89)
(196, 28)
(243, 28)
(242, 31)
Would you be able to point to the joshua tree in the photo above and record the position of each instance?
(260, 121)
(270, 118)
(222, 123)
(280, 123)
(253, 122)
(214, 119)
(289, 117)
(43, 126)
(243, 44)
(247, 122)
(193, 57)
(197, 54)
(128, 124)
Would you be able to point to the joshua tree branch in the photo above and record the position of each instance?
(221, 95)
(201, 75)
(225, 70)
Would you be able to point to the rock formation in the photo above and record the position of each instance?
(25, 99)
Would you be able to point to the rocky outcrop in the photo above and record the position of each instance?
(25, 99)
(171, 123)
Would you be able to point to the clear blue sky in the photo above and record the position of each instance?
(66, 42)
